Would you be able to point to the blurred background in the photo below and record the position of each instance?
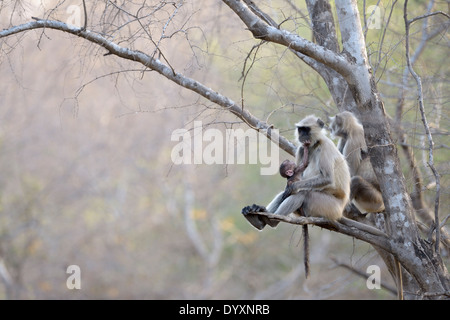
(87, 177)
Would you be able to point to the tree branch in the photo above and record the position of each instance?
(425, 124)
(164, 70)
(261, 30)
(363, 275)
(345, 226)
(85, 15)
(429, 15)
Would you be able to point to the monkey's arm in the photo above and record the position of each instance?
(321, 180)
(341, 145)
(317, 182)
(275, 203)
(353, 155)
(303, 157)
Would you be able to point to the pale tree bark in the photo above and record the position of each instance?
(421, 208)
(424, 265)
(349, 77)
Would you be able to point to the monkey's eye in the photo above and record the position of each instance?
(303, 130)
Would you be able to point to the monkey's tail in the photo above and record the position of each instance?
(306, 249)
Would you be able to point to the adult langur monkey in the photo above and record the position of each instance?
(364, 187)
(324, 188)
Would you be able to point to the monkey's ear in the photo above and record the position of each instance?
(320, 123)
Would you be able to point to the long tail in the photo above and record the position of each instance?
(306, 249)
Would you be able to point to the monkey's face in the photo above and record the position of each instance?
(341, 123)
(287, 169)
(304, 135)
(289, 172)
(335, 124)
(308, 130)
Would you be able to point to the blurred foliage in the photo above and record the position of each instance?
(87, 178)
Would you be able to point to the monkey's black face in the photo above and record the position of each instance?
(304, 134)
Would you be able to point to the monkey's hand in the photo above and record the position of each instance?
(287, 192)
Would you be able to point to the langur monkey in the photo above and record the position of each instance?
(292, 172)
(364, 187)
(324, 188)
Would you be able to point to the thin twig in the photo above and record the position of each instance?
(362, 274)
(383, 36)
(424, 121)
(85, 16)
(444, 221)
(428, 15)
(246, 72)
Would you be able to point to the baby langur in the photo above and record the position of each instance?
(292, 172)
(289, 170)
(364, 187)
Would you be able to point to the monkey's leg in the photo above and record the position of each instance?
(366, 196)
(272, 208)
(291, 204)
(321, 204)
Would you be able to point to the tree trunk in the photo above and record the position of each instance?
(418, 258)
(424, 272)
(324, 33)
(352, 85)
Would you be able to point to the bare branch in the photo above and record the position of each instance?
(425, 124)
(262, 15)
(246, 72)
(362, 274)
(429, 15)
(261, 30)
(444, 221)
(345, 226)
(85, 15)
(166, 71)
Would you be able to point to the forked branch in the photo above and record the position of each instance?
(163, 69)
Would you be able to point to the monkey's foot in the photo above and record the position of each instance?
(259, 222)
(255, 220)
